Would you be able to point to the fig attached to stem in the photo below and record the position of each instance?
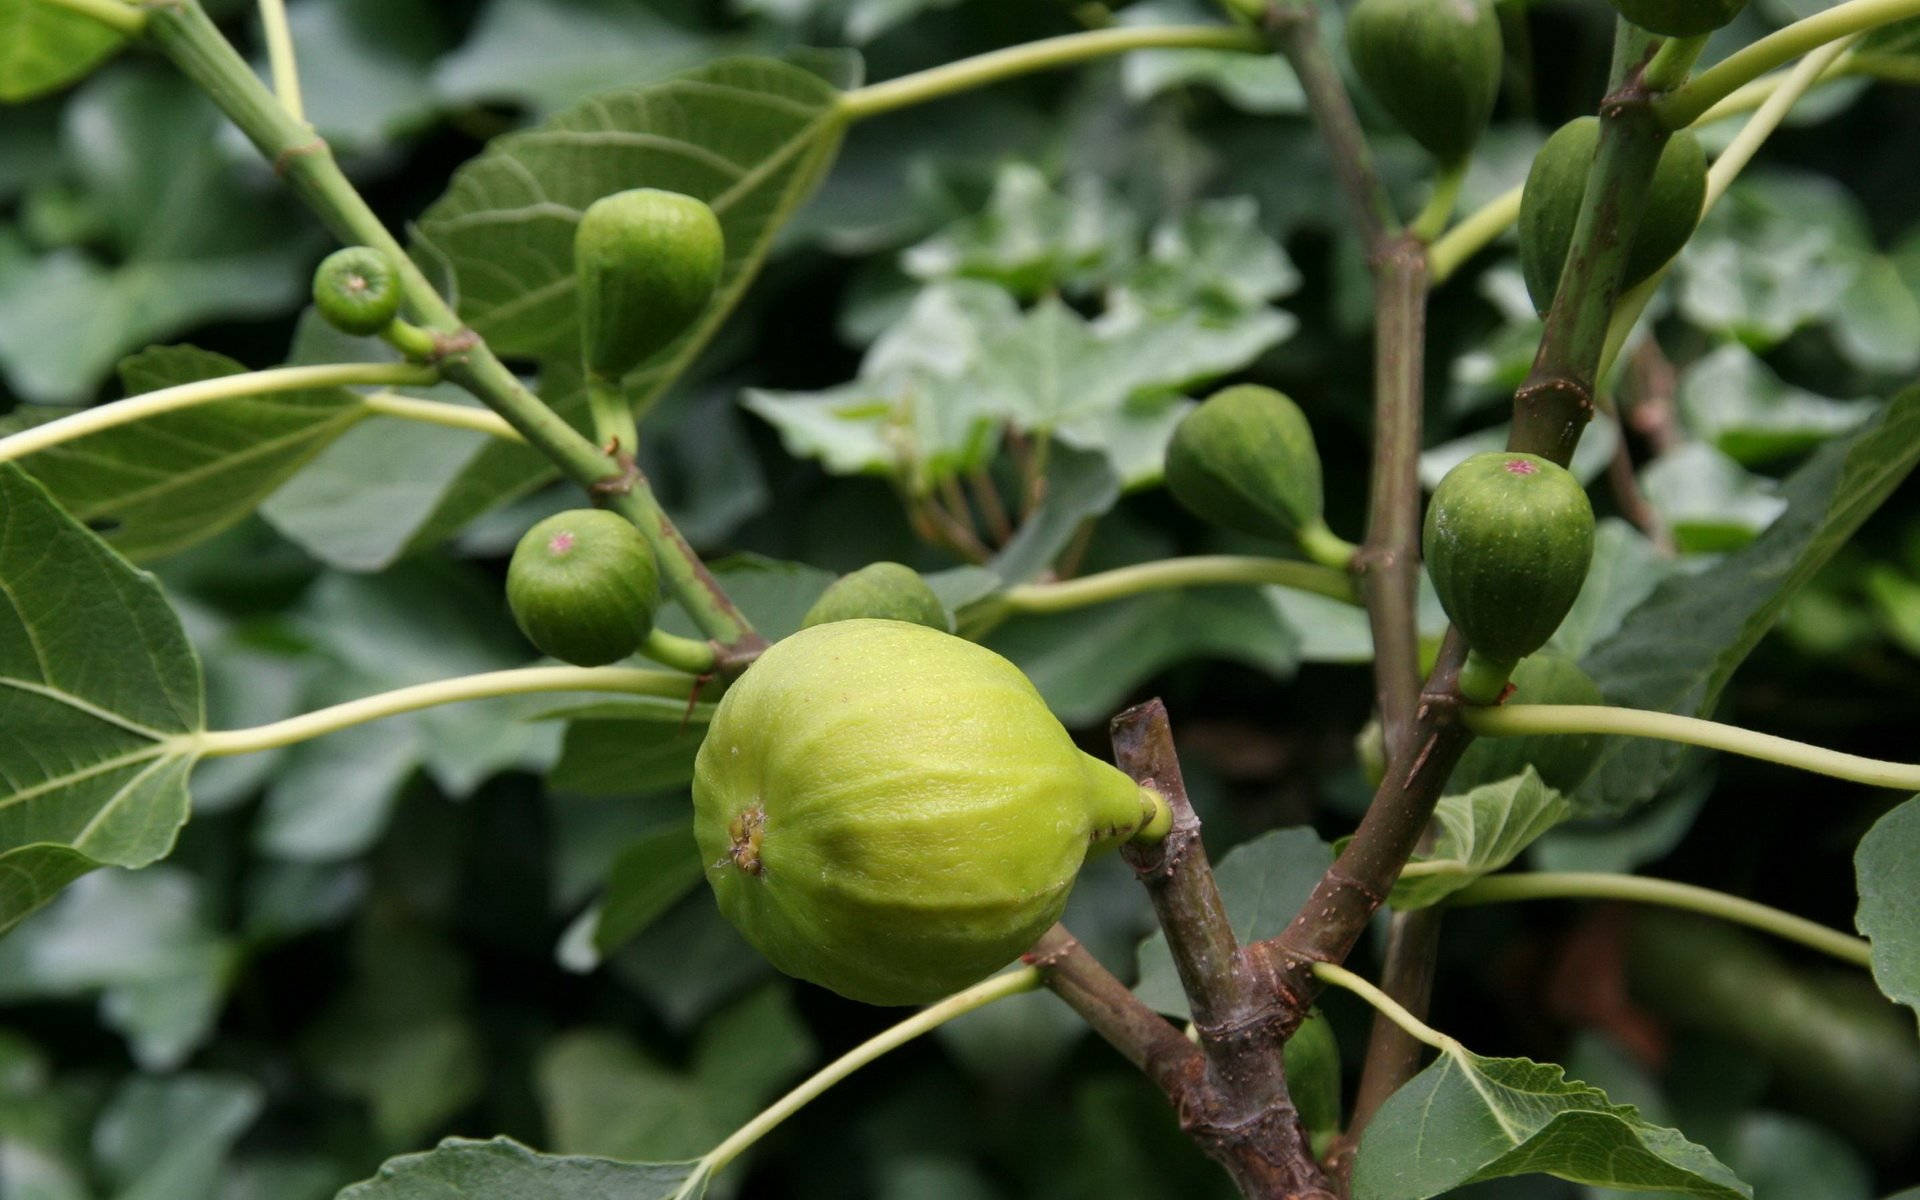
(583, 586)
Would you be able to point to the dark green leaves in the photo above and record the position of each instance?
(99, 701)
(503, 1169)
(1887, 865)
(749, 136)
(1468, 1118)
(44, 46)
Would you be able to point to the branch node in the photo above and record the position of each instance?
(283, 161)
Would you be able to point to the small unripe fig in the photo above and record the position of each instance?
(1508, 540)
(883, 590)
(647, 263)
(357, 290)
(1561, 760)
(583, 586)
(1370, 749)
(1557, 182)
(1434, 65)
(1679, 18)
(1311, 1059)
(1245, 459)
(891, 812)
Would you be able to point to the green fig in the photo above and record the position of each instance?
(1561, 760)
(891, 812)
(357, 291)
(1434, 65)
(583, 586)
(1508, 540)
(1244, 459)
(884, 590)
(1557, 182)
(1679, 18)
(1311, 1059)
(647, 264)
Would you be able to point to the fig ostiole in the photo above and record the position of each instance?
(583, 586)
(892, 812)
(647, 263)
(887, 591)
(1244, 459)
(1508, 539)
(1557, 184)
(1434, 65)
(357, 291)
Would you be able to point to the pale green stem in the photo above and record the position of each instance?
(1043, 55)
(691, 655)
(206, 391)
(1199, 571)
(1726, 168)
(439, 412)
(1684, 105)
(1752, 95)
(112, 13)
(613, 423)
(1524, 719)
(1891, 68)
(1025, 979)
(1388, 1007)
(1475, 232)
(1671, 62)
(1433, 219)
(484, 686)
(286, 70)
(1561, 885)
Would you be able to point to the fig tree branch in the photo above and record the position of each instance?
(487, 685)
(1597, 885)
(1294, 29)
(1241, 1025)
(1524, 719)
(181, 30)
(1683, 105)
(145, 405)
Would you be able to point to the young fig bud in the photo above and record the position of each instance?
(647, 263)
(1245, 459)
(1508, 540)
(1434, 65)
(583, 586)
(1679, 18)
(357, 291)
(1557, 183)
(883, 590)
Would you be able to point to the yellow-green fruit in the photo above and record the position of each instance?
(1433, 64)
(647, 263)
(1557, 183)
(1508, 540)
(884, 590)
(583, 586)
(891, 812)
(1245, 459)
(1679, 18)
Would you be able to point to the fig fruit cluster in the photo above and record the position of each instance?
(892, 812)
(583, 586)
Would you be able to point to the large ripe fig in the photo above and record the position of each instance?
(1433, 64)
(1245, 459)
(1557, 182)
(884, 590)
(647, 263)
(1679, 18)
(1561, 760)
(891, 812)
(1508, 540)
(357, 291)
(583, 586)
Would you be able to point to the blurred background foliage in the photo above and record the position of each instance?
(390, 935)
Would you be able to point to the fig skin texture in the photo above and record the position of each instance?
(583, 587)
(892, 812)
(884, 591)
(1245, 459)
(1679, 18)
(1557, 182)
(357, 291)
(647, 263)
(1508, 540)
(1434, 65)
